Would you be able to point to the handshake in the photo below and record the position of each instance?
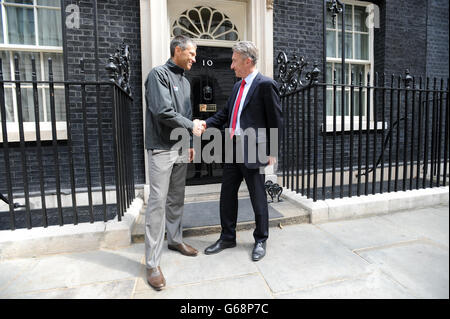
(199, 127)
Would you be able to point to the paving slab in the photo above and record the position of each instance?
(12, 269)
(403, 255)
(368, 232)
(420, 266)
(304, 256)
(240, 287)
(441, 210)
(122, 289)
(374, 286)
(428, 222)
(180, 270)
(72, 270)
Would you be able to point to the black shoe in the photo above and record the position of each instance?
(218, 246)
(259, 251)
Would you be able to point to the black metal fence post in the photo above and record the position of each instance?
(38, 141)
(360, 96)
(297, 138)
(397, 149)
(316, 142)
(413, 131)
(366, 169)
(425, 150)
(283, 105)
(446, 137)
(433, 135)
(18, 92)
(333, 178)
(87, 157)
(303, 141)
(375, 135)
(55, 142)
(6, 153)
(352, 114)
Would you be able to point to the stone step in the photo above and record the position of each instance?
(210, 192)
(290, 214)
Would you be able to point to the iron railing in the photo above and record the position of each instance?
(92, 160)
(394, 136)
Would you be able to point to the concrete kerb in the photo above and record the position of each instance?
(323, 211)
(23, 243)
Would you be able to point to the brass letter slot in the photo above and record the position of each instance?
(208, 107)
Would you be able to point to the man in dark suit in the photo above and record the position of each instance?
(253, 104)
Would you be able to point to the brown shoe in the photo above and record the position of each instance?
(155, 278)
(185, 249)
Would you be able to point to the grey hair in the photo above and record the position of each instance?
(182, 42)
(247, 49)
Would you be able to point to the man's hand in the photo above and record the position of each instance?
(272, 160)
(191, 154)
(203, 123)
(199, 127)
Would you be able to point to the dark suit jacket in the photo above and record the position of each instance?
(261, 109)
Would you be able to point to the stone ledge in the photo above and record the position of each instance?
(22, 243)
(370, 205)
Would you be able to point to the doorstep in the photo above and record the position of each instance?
(287, 213)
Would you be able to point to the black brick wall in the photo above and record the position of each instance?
(437, 39)
(118, 21)
(405, 36)
(413, 34)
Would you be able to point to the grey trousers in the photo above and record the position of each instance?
(167, 174)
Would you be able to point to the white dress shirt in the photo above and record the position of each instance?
(248, 83)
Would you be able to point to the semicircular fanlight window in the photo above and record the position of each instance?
(205, 23)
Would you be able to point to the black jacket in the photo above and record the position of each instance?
(167, 94)
(261, 109)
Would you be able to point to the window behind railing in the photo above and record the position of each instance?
(32, 28)
(87, 177)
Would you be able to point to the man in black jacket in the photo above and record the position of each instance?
(253, 105)
(167, 94)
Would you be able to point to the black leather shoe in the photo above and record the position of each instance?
(259, 251)
(218, 246)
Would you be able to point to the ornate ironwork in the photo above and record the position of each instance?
(335, 8)
(273, 190)
(408, 79)
(119, 67)
(290, 73)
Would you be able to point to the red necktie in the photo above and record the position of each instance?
(236, 108)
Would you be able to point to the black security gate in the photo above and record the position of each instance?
(398, 142)
(83, 172)
(367, 136)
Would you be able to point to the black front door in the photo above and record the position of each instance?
(211, 81)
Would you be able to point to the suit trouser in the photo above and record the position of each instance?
(167, 174)
(233, 174)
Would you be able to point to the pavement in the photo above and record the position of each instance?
(403, 255)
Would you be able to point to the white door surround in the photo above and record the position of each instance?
(252, 18)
